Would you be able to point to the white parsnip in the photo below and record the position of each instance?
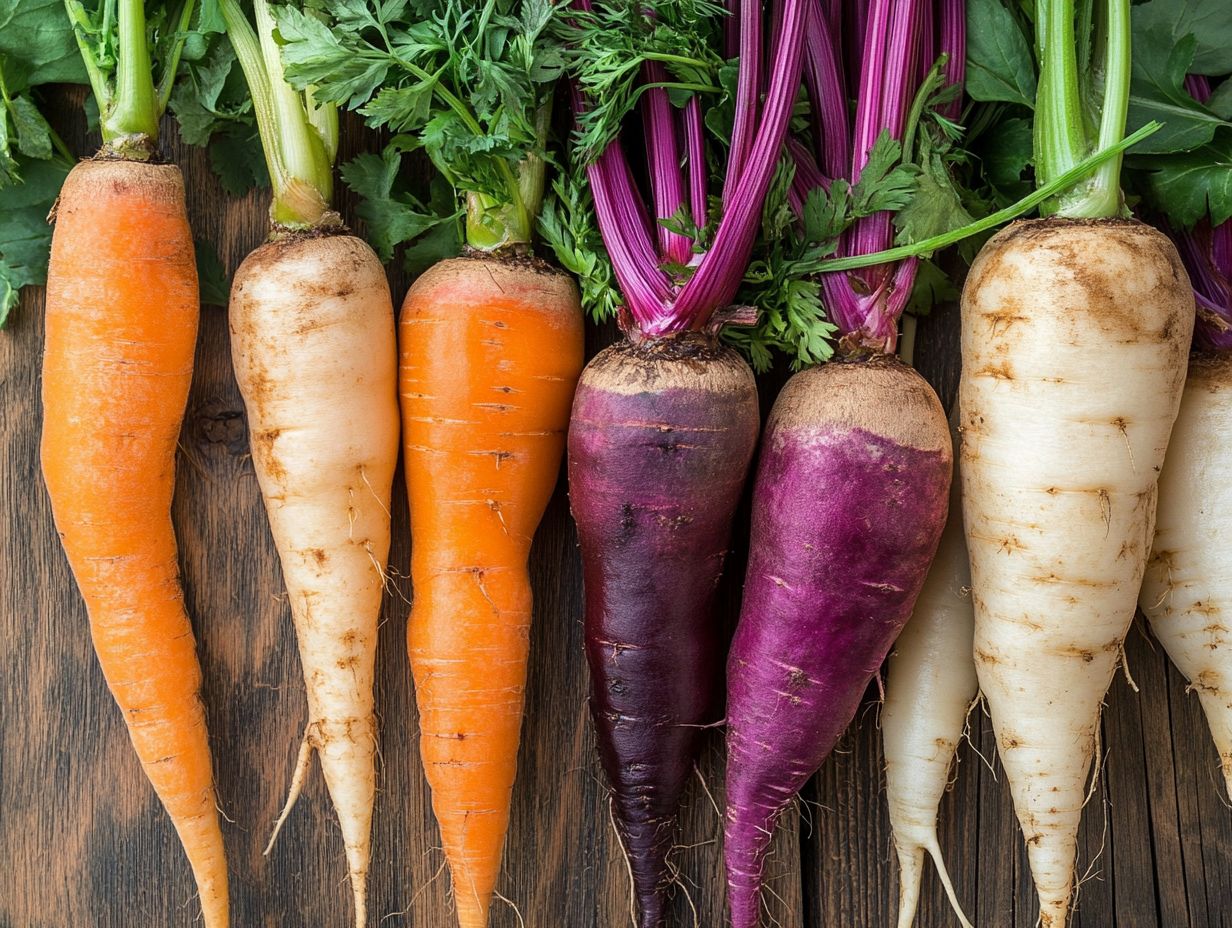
(1187, 591)
(930, 685)
(312, 338)
(1074, 340)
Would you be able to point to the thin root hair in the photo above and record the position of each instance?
(1091, 873)
(512, 905)
(678, 880)
(1097, 767)
(624, 853)
(415, 898)
(709, 795)
(1125, 670)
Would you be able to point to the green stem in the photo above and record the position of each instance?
(1063, 114)
(929, 246)
(298, 137)
(132, 119)
(98, 81)
(172, 64)
(1105, 194)
(490, 224)
(1060, 138)
(927, 87)
(323, 117)
(58, 144)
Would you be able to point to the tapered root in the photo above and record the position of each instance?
(297, 785)
(911, 873)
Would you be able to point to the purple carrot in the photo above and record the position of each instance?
(655, 475)
(851, 491)
(661, 438)
(848, 506)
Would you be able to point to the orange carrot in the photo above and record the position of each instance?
(122, 310)
(490, 354)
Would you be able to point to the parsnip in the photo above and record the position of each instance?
(1187, 591)
(1074, 338)
(929, 688)
(312, 337)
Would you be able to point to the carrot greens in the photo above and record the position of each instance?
(470, 85)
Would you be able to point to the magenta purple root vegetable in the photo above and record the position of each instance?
(849, 502)
(851, 492)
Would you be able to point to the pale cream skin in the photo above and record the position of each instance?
(1187, 591)
(1074, 342)
(930, 685)
(312, 338)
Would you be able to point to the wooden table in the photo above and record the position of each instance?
(84, 842)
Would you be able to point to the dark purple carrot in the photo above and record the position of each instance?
(664, 425)
(852, 487)
(655, 474)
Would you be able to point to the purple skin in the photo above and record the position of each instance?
(848, 508)
(655, 476)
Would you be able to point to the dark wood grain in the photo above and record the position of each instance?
(84, 842)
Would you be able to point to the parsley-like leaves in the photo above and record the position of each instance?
(473, 82)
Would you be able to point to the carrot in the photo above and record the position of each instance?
(121, 326)
(490, 353)
(122, 307)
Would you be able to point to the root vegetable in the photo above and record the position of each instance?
(490, 352)
(848, 507)
(1074, 336)
(312, 338)
(660, 441)
(930, 685)
(1188, 586)
(122, 309)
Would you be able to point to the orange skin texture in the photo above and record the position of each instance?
(122, 308)
(490, 354)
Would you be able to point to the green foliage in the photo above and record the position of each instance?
(36, 48)
(568, 226)
(1183, 172)
(473, 82)
(211, 103)
(610, 45)
(393, 216)
(1158, 92)
(211, 275)
(1208, 21)
(25, 236)
(36, 44)
(1189, 185)
(781, 280)
(1000, 65)
(1006, 152)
